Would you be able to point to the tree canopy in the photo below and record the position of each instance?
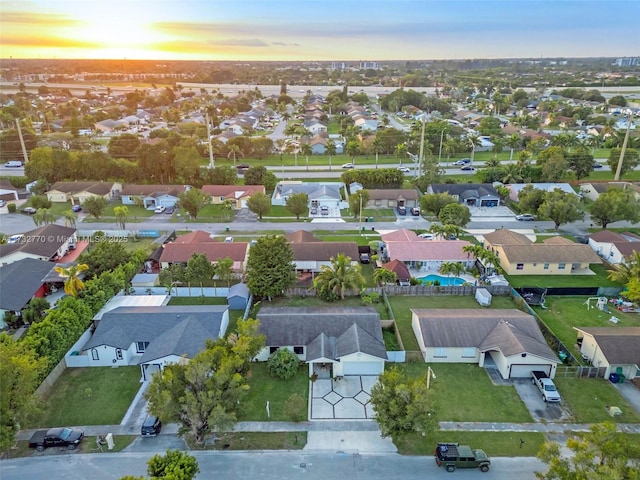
(270, 269)
(614, 205)
(193, 200)
(561, 207)
(297, 204)
(259, 203)
(455, 214)
(334, 280)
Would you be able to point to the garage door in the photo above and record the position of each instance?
(525, 370)
(362, 368)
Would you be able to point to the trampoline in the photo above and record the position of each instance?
(533, 296)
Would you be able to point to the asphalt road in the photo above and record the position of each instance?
(265, 466)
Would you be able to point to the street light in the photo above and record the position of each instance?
(430, 375)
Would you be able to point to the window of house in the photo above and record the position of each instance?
(535, 264)
(562, 266)
(298, 350)
(520, 266)
(440, 352)
(94, 354)
(546, 266)
(141, 346)
(222, 199)
(469, 352)
(273, 350)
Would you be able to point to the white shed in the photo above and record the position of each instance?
(483, 297)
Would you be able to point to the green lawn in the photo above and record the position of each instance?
(588, 397)
(264, 387)
(464, 393)
(312, 301)
(146, 244)
(495, 444)
(90, 396)
(546, 281)
(281, 212)
(208, 213)
(565, 312)
(197, 301)
(401, 305)
(88, 445)
(256, 441)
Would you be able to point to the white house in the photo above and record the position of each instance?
(613, 246)
(617, 349)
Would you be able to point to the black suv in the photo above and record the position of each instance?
(151, 426)
(453, 455)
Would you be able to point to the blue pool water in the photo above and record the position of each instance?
(444, 281)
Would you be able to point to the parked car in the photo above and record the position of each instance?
(364, 258)
(467, 168)
(160, 209)
(597, 165)
(452, 456)
(427, 236)
(415, 211)
(56, 437)
(76, 208)
(324, 210)
(525, 217)
(2, 203)
(404, 169)
(402, 210)
(313, 210)
(228, 240)
(13, 164)
(151, 426)
(348, 165)
(464, 161)
(546, 386)
(169, 210)
(29, 210)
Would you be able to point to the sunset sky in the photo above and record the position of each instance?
(327, 30)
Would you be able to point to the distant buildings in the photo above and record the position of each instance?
(627, 62)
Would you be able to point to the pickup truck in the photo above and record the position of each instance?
(545, 385)
(56, 437)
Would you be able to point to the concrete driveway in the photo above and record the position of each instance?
(344, 399)
(538, 408)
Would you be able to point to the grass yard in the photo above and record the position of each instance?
(208, 213)
(257, 441)
(197, 301)
(88, 445)
(495, 444)
(264, 387)
(545, 281)
(463, 392)
(588, 397)
(234, 317)
(312, 301)
(90, 396)
(146, 244)
(390, 340)
(401, 305)
(564, 313)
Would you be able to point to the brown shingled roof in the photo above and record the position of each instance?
(323, 251)
(97, 188)
(301, 236)
(384, 194)
(619, 345)
(506, 237)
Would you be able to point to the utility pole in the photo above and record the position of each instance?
(624, 149)
(421, 155)
(22, 145)
(209, 141)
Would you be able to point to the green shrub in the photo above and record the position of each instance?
(283, 363)
(11, 207)
(39, 201)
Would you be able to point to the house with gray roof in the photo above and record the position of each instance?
(154, 336)
(508, 340)
(48, 242)
(320, 193)
(334, 341)
(469, 194)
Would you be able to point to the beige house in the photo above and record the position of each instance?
(391, 198)
(615, 348)
(508, 340)
(78, 192)
(238, 194)
(554, 256)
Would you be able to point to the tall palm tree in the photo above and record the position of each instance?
(438, 230)
(306, 151)
(473, 141)
(498, 144)
(43, 216)
(70, 218)
(234, 150)
(340, 276)
(401, 151)
(73, 284)
(450, 147)
(377, 147)
(330, 149)
(512, 174)
(513, 141)
(451, 268)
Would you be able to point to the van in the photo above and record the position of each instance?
(151, 426)
(13, 163)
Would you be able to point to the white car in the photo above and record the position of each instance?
(160, 209)
(525, 217)
(228, 240)
(404, 169)
(426, 236)
(348, 165)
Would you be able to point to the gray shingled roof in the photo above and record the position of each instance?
(170, 330)
(510, 331)
(619, 345)
(20, 280)
(52, 237)
(327, 332)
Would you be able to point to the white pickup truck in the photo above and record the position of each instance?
(546, 386)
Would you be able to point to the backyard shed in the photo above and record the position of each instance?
(483, 297)
(238, 296)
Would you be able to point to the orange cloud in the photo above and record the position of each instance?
(26, 19)
(46, 42)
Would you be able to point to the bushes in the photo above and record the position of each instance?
(11, 207)
(39, 201)
(283, 363)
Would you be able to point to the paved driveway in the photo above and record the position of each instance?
(538, 408)
(345, 399)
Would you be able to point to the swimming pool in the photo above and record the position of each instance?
(444, 281)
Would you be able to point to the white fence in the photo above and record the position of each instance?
(396, 357)
(182, 291)
(73, 357)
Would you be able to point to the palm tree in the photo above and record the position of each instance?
(512, 174)
(234, 150)
(450, 147)
(449, 268)
(384, 276)
(513, 141)
(498, 144)
(306, 151)
(339, 277)
(73, 284)
(377, 147)
(453, 230)
(438, 230)
(43, 216)
(626, 271)
(70, 218)
(401, 151)
(473, 141)
(330, 149)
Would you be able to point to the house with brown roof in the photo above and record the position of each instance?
(615, 348)
(311, 253)
(406, 246)
(238, 194)
(391, 198)
(554, 256)
(152, 196)
(613, 246)
(78, 192)
(184, 246)
(401, 271)
(508, 340)
(8, 191)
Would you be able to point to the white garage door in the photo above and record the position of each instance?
(362, 368)
(525, 370)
